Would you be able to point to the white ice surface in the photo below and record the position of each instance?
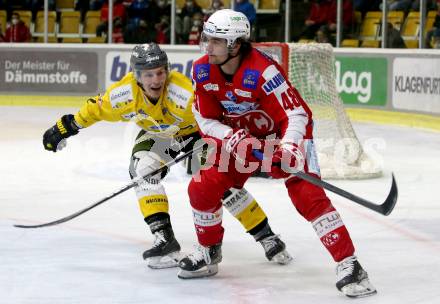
(96, 258)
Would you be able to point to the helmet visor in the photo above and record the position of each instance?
(213, 46)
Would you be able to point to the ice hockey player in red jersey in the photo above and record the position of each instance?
(159, 101)
(244, 101)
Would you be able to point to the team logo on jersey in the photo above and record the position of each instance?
(211, 87)
(238, 108)
(159, 127)
(202, 72)
(273, 83)
(251, 120)
(178, 95)
(129, 116)
(120, 96)
(250, 79)
(142, 115)
(243, 93)
(330, 239)
(229, 95)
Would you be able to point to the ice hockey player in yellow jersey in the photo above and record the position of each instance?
(159, 101)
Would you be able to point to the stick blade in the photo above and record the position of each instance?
(36, 226)
(389, 204)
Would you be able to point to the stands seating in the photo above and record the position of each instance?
(373, 14)
(70, 24)
(49, 39)
(354, 43)
(91, 21)
(37, 29)
(65, 5)
(3, 20)
(180, 4)
(412, 44)
(396, 18)
(357, 24)
(98, 39)
(432, 14)
(370, 28)
(71, 40)
(429, 24)
(269, 6)
(410, 29)
(370, 44)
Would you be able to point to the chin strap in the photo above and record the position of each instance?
(229, 58)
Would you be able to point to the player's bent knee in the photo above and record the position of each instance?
(144, 162)
(310, 200)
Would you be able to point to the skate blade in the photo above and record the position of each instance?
(206, 271)
(359, 290)
(167, 261)
(282, 258)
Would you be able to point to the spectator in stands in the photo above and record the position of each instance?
(118, 12)
(364, 6)
(163, 30)
(6, 5)
(196, 29)
(85, 5)
(323, 35)
(141, 34)
(82, 6)
(435, 31)
(430, 5)
(394, 39)
(436, 40)
(143, 9)
(320, 12)
(38, 5)
(215, 6)
(96, 5)
(163, 9)
(184, 20)
(248, 9)
(17, 31)
(118, 28)
(397, 5)
(347, 16)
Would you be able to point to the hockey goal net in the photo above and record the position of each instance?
(311, 70)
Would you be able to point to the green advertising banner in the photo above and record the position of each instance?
(362, 80)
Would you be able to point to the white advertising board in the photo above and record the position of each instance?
(416, 84)
(118, 63)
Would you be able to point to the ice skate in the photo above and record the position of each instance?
(165, 252)
(352, 279)
(201, 263)
(275, 250)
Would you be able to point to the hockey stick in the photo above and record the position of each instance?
(123, 189)
(385, 208)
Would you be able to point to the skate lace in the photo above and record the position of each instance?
(160, 238)
(201, 253)
(270, 242)
(345, 267)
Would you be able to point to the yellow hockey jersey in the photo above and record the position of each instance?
(125, 101)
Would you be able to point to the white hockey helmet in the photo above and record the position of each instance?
(227, 24)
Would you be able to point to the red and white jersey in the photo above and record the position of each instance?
(259, 99)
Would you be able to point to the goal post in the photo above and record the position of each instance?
(311, 69)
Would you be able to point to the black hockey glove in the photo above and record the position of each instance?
(64, 128)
